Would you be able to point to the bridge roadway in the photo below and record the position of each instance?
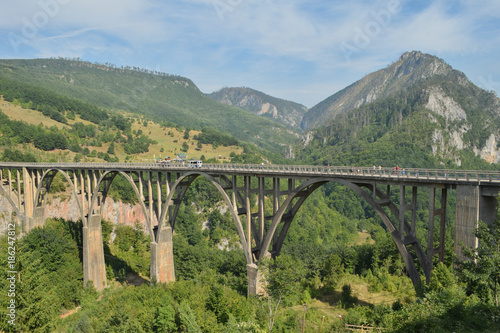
(448, 176)
(160, 190)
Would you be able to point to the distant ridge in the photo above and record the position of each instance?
(285, 112)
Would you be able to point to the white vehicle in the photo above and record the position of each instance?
(195, 164)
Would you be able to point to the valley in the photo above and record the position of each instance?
(338, 257)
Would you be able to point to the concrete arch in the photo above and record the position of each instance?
(304, 190)
(12, 203)
(113, 174)
(192, 176)
(70, 182)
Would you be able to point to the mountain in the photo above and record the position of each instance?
(158, 96)
(410, 68)
(285, 112)
(416, 112)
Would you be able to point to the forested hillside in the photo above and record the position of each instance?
(158, 96)
(399, 130)
(338, 264)
(40, 125)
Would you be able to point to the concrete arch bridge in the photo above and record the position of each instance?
(160, 190)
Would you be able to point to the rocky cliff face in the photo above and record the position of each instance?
(284, 112)
(66, 208)
(452, 137)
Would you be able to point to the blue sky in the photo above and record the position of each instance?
(300, 50)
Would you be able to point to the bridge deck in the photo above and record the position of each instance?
(385, 175)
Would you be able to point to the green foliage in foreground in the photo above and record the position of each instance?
(482, 271)
(210, 292)
(48, 279)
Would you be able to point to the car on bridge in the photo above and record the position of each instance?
(195, 164)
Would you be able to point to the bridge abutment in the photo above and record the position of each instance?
(162, 257)
(94, 268)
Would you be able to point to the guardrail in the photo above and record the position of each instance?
(382, 172)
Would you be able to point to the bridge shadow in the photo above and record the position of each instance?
(336, 298)
(117, 269)
(75, 229)
(120, 270)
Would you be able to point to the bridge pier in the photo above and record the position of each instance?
(38, 218)
(94, 268)
(162, 257)
(254, 276)
(474, 203)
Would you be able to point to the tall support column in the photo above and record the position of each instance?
(474, 204)
(441, 213)
(233, 194)
(466, 218)
(248, 214)
(276, 204)
(89, 187)
(261, 209)
(402, 206)
(150, 196)
(94, 268)
(162, 257)
(28, 198)
(82, 190)
(158, 195)
(430, 234)
(442, 229)
(413, 232)
(18, 181)
(38, 217)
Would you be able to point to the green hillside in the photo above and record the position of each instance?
(159, 96)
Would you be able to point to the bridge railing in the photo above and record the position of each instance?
(383, 172)
(415, 173)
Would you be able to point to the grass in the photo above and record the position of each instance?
(171, 144)
(16, 112)
(363, 238)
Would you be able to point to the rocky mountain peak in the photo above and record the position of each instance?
(409, 69)
(423, 65)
